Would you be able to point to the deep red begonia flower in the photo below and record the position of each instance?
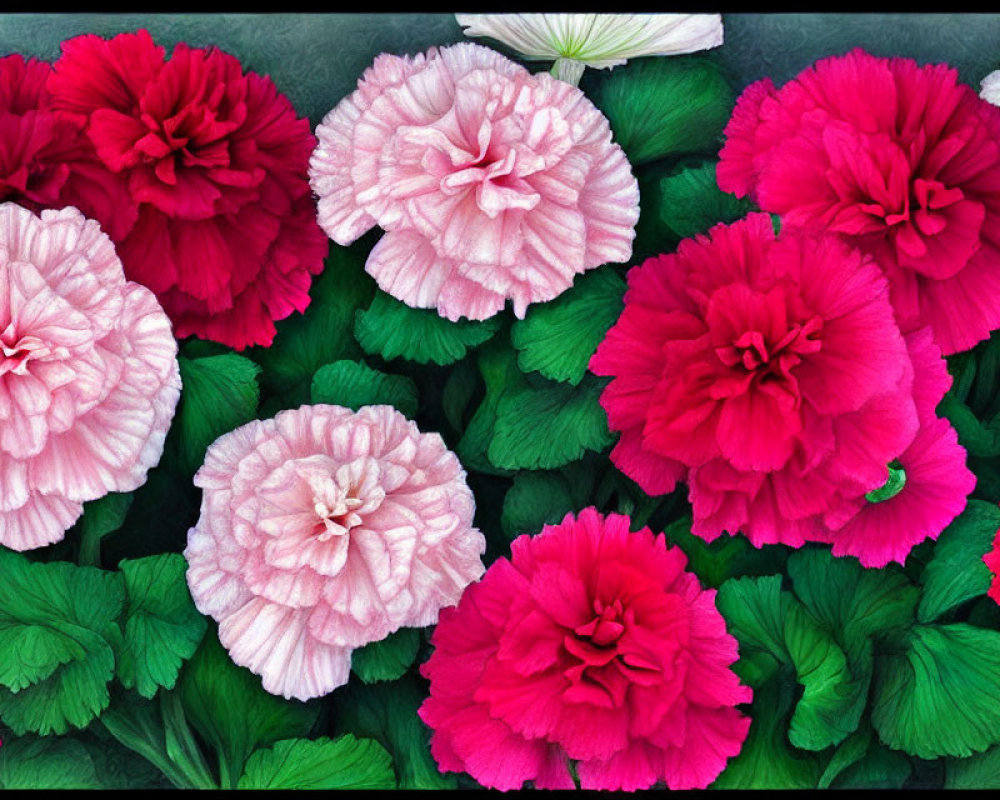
(899, 159)
(591, 644)
(769, 371)
(216, 160)
(45, 160)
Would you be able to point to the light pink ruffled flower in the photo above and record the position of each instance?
(322, 530)
(490, 182)
(88, 374)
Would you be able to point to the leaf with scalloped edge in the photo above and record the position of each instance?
(938, 697)
(162, 625)
(391, 329)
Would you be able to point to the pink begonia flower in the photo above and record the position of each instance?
(88, 374)
(322, 530)
(591, 644)
(490, 182)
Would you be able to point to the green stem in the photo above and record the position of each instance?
(182, 749)
(568, 70)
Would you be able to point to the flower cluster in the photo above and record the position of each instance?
(322, 530)
(592, 644)
(770, 374)
(491, 183)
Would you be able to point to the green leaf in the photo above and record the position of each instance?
(880, 768)
(343, 763)
(387, 712)
(938, 698)
(158, 731)
(227, 705)
(539, 498)
(851, 601)
(321, 335)
(354, 384)
(691, 202)
(116, 764)
(957, 572)
(980, 771)
(387, 659)
(850, 751)
(58, 636)
(162, 626)
(763, 616)
(558, 338)
(661, 107)
(500, 437)
(978, 437)
(766, 761)
(459, 387)
(391, 329)
(220, 394)
(713, 562)
(498, 366)
(48, 763)
(100, 518)
(543, 425)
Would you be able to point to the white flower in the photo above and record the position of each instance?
(990, 88)
(602, 41)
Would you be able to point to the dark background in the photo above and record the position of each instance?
(316, 59)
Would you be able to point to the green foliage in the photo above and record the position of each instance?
(162, 626)
(691, 202)
(934, 699)
(321, 335)
(220, 394)
(387, 712)
(100, 518)
(228, 707)
(765, 760)
(981, 771)
(391, 329)
(58, 636)
(525, 423)
(47, 763)
(386, 659)
(957, 572)
(537, 498)
(660, 107)
(344, 763)
(558, 338)
(354, 384)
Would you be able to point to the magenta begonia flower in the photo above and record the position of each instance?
(490, 182)
(768, 371)
(902, 161)
(322, 530)
(591, 644)
(88, 374)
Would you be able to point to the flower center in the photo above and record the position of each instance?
(17, 352)
(752, 352)
(336, 501)
(605, 664)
